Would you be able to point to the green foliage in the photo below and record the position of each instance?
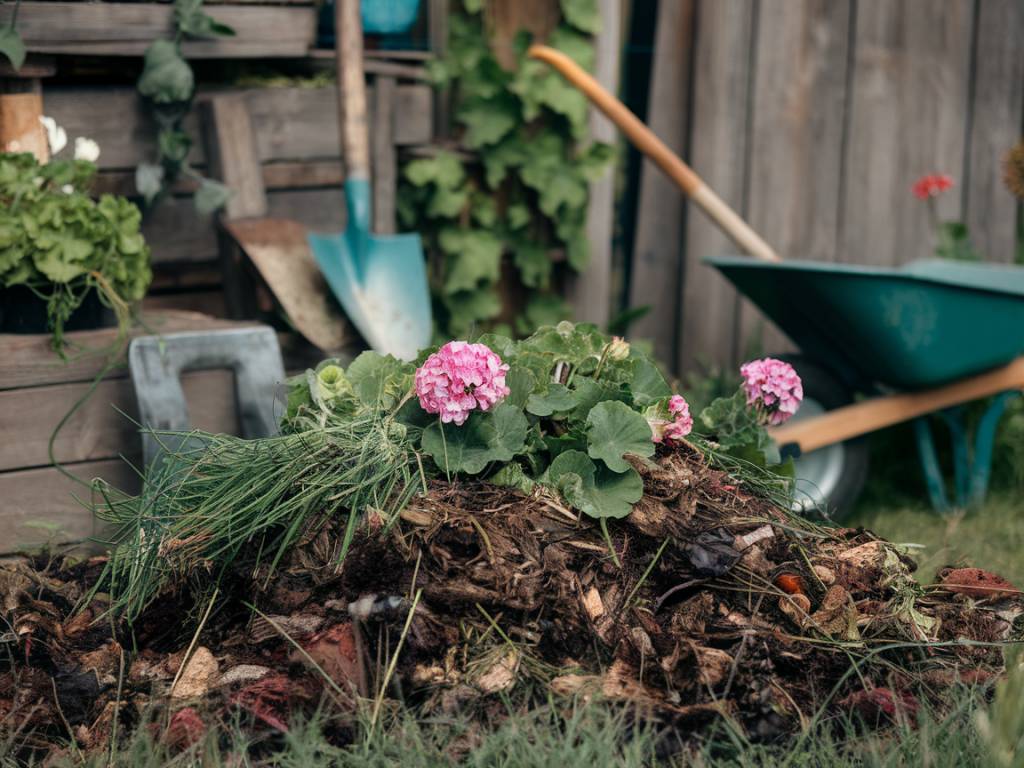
(738, 431)
(954, 242)
(572, 415)
(168, 84)
(59, 242)
(522, 192)
(12, 47)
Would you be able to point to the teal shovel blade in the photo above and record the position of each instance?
(379, 280)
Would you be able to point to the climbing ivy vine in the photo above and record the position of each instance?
(168, 85)
(517, 187)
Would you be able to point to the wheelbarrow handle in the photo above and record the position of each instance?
(645, 140)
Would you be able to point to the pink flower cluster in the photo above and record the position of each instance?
(931, 185)
(460, 377)
(681, 425)
(772, 386)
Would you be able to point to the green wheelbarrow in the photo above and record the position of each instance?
(921, 339)
(925, 338)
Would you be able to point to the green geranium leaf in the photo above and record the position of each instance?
(521, 382)
(615, 430)
(512, 476)
(589, 393)
(379, 380)
(497, 435)
(12, 46)
(647, 384)
(166, 76)
(582, 14)
(593, 488)
(558, 399)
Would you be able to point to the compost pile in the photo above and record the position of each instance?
(717, 604)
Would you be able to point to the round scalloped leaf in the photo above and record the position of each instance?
(613, 493)
(614, 430)
(557, 399)
(485, 437)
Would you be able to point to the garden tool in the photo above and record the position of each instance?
(380, 281)
(645, 140)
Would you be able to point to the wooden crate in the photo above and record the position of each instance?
(37, 501)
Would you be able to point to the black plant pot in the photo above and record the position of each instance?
(22, 311)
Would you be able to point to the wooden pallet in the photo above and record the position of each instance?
(37, 501)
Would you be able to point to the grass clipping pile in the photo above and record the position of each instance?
(717, 604)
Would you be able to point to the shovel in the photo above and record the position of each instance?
(381, 282)
(644, 139)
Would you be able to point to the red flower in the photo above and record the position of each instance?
(931, 185)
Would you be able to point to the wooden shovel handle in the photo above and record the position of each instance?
(645, 140)
(355, 141)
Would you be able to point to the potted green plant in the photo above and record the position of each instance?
(66, 259)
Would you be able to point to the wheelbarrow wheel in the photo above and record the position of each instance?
(828, 480)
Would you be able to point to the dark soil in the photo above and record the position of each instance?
(719, 604)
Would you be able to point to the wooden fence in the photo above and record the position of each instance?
(812, 118)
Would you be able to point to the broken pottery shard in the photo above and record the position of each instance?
(197, 676)
(869, 555)
(185, 730)
(334, 651)
(975, 582)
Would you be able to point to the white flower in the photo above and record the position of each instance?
(56, 136)
(67, 189)
(86, 149)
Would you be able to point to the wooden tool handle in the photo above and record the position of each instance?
(355, 141)
(645, 140)
(861, 418)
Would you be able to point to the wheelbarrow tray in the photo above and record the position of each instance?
(911, 327)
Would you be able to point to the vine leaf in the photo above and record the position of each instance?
(211, 196)
(444, 170)
(614, 430)
(476, 258)
(12, 46)
(582, 14)
(166, 76)
(149, 180)
(497, 435)
(534, 264)
(191, 20)
(488, 121)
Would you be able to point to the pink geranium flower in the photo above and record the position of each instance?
(681, 425)
(459, 378)
(932, 185)
(773, 387)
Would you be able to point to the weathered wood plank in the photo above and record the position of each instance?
(719, 155)
(99, 429)
(127, 29)
(796, 140)
(208, 302)
(657, 270)
(38, 506)
(290, 123)
(997, 111)
(178, 234)
(591, 291)
(384, 163)
(908, 117)
(28, 360)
